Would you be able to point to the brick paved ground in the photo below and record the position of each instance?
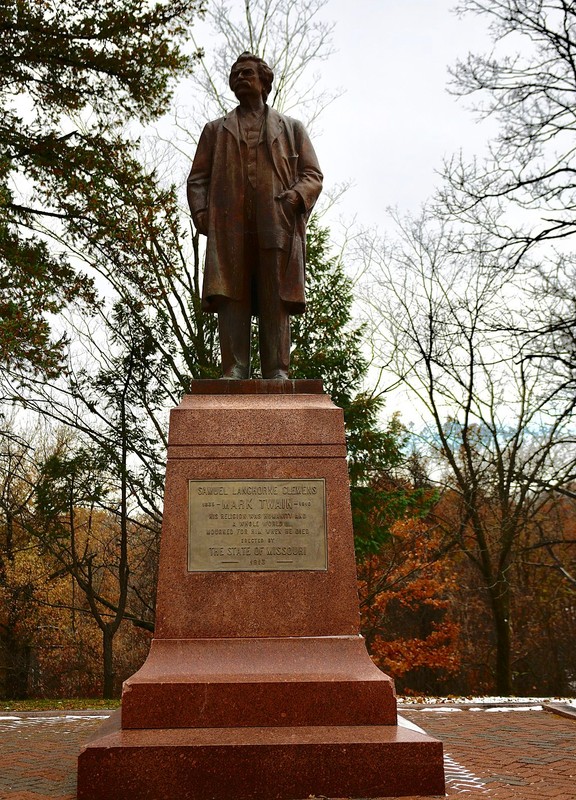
(512, 755)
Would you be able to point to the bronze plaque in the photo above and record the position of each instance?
(257, 525)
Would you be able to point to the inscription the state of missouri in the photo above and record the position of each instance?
(256, 525)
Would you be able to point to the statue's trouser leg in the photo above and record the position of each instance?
(234, 332)
(274, 324)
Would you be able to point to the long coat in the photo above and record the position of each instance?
(286, 160)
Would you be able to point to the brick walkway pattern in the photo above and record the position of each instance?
(505, 755)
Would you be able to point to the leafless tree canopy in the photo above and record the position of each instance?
(497, 425)
(528, 84)
(290, 35)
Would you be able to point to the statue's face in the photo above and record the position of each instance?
(244, 79)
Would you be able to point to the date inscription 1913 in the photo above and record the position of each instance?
(256, 525)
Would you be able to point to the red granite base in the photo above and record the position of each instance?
(256, 386)
(259, 763)
(222, 683)
(258, 685)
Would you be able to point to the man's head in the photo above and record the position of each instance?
(263, 71)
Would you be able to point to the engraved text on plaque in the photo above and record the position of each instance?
(256, 525)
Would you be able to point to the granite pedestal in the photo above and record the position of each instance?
(258, 684)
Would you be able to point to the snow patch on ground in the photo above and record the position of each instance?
(485, 700)
(507, 708)
(461, 779)
(405, 723)
(32, 719)
(442, 708)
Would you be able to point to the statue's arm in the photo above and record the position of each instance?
(309, 180)
(198, 184)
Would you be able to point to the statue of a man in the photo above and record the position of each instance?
(253, 183)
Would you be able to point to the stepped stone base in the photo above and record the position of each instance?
(258, 685)
(259, 763)
(222, 683)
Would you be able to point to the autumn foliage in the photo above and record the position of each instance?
(407, 592)
(52, 645)
(59, 583)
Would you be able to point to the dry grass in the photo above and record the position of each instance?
(71, 704)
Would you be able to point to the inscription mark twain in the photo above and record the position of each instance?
(257, 525)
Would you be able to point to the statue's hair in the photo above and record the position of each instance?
(264, 72)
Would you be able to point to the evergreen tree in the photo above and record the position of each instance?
(126, 225)
(69, 75)
(328, 344)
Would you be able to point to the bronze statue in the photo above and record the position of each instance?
(253, 182)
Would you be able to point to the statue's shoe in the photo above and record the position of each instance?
(277, 375)
(236, 373)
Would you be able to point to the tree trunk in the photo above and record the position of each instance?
(500, 602)
(15, 664)
(108, 662)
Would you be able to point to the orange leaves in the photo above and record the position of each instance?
(406, 593)
(43, 613)
(437, 651)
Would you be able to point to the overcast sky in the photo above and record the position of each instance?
(396, 120)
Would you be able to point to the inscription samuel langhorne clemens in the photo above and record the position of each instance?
(256, 525)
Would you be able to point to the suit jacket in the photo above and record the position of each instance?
(216, 183)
